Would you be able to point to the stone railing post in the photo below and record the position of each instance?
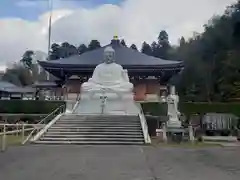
(191, 134)
(3, 148)
(164, 131)
(23, 133)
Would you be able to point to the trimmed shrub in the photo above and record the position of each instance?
(155, 109)
(202, 108)
(29, 106)
(160, 109)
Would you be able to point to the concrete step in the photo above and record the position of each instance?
(97, 125)
(69, 136)
(72, 116)
(92, 130)
(79, 129)
(95, 122)
(93, 127)
(132, 139)
(109, 133)
(220, 138)
(88, 142)
(113, 118)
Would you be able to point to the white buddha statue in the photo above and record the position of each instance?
(108, 75)
(173, 112)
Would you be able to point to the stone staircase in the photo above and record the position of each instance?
(80, 129)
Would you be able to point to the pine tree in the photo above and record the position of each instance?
(55, 52)
(154, 47)
(146, 49)
(123, 43)
(82, 49)
(133, 46)
(94, 44)
(163, 45)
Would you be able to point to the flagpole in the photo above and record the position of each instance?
(50, 5)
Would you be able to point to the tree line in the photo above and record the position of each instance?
(158, 49)
(212, 58)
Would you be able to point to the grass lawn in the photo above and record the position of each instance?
(12, 140)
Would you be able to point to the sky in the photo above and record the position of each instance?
(24, 23)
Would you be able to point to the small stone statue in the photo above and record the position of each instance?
(108, 75)
(173, 113)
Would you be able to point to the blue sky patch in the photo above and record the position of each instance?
(31, 9)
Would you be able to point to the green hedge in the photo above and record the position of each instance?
(193, 108)
(155, 109)
(29, 106)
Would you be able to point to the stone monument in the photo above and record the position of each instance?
(173, 113)
(108, 75)
(108, 91)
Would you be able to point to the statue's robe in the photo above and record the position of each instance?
(111, 76)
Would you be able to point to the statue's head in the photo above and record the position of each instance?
(109, 55)
(172, 90)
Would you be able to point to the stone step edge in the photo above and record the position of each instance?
(91, 139)
(88, 143)
(90, 135)
(98, 132)
(94, 127)
(95, 130)
(117, 122)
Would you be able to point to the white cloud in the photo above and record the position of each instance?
(133, 20)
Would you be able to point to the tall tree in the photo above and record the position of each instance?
(146, 49)
(67, 50)
(182, 41)
(163, 45)
(19, 75)
(214, 52)
(133, 46)
(155, 48)
(27, 59)
(72, 50)
(55, 52)
(123, 43)
(94, 44)
(82, 49)
(12, 77)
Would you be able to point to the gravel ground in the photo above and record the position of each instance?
(119, 163)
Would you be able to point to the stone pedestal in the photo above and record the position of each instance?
(174, 123)
(107, 103)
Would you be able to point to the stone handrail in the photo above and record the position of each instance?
(144, 126)
(39, 134)
(57, 111)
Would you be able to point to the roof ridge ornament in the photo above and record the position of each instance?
(115, 41)
(115, 37)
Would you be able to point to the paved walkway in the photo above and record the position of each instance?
(119, 163)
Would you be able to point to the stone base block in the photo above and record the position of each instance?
(108, 95)
(174, 123)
